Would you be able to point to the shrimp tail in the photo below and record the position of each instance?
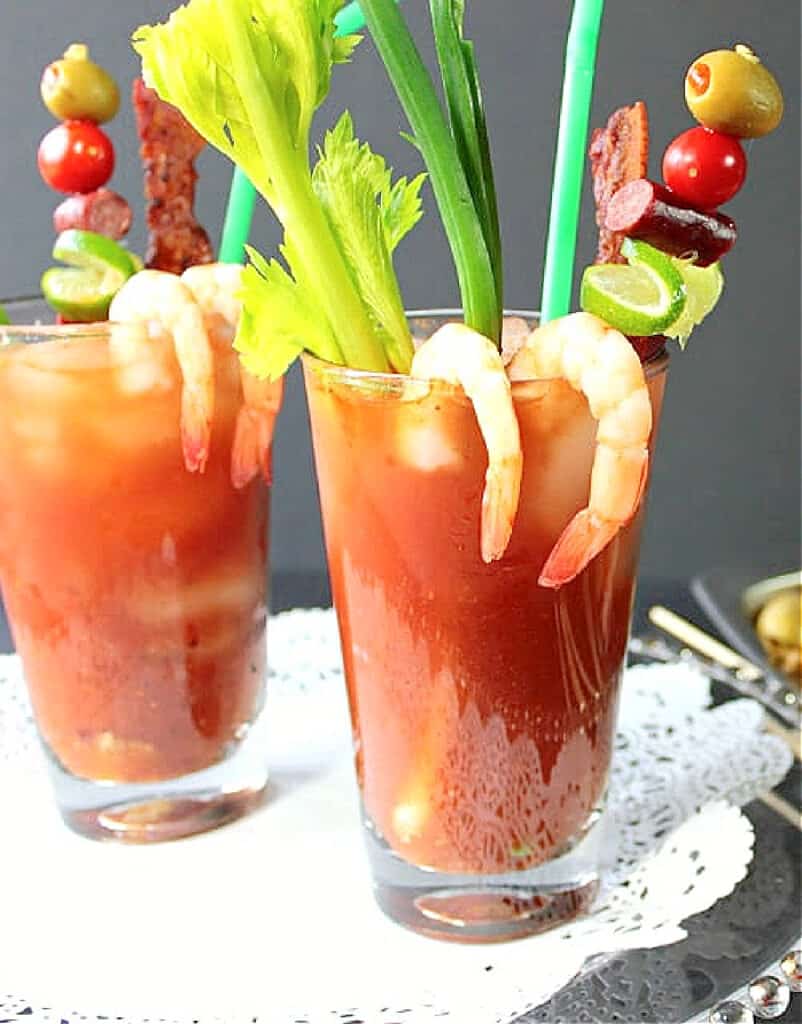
(253, 442)
(499, 505)
(195, 433)
(586, 536)
(245, 451)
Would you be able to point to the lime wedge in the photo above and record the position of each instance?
(77, 294)
(97, 252)
(97, 267)
(4, 316)
(703, 286)
(642, 297)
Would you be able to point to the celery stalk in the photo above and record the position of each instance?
(249, 76)
(300, 211)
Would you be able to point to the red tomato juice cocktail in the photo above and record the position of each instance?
(483, 704)
(136, 590)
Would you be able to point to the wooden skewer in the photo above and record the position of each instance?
(696, 638)
(790, 737)
(692, 636)
(783, 808)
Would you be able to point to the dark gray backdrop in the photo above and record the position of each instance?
(726, 483)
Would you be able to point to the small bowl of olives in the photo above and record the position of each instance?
(759, 616)
(774, 608)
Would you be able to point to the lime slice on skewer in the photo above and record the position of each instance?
(703, 286)
(97, 267)
(644, 296)
(87, 249)
(77, 294)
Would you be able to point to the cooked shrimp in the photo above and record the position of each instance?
(216, 289)
(600, 363)
(162, 302)
(256, 420)
(514, 332)
(459, 355)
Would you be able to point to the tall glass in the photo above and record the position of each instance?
(483, 705)
(135, 590)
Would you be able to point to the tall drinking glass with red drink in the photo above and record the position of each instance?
(135, 589)
(483, 704)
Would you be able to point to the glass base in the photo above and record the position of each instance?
(488, 908)
(169, 809)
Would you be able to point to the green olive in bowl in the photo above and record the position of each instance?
(779, 628)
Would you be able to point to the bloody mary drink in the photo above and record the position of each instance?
(483, 704)
(482, 479)
(136, 589)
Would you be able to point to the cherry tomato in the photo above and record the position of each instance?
(76, 156)
(704, 168)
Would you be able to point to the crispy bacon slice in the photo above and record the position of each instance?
(169, 146)
(619, 153)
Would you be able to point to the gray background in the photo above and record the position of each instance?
(726, 481)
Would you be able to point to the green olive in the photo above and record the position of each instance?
(731, 91)
(780, 619)
(75, 88)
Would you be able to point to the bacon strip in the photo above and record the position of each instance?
(619, 153)
(169, 146)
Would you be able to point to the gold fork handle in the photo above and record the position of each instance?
(696, 638)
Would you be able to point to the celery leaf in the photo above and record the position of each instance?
(203, 87)
(402, 209)
(249, 76)
(250, 90)
(369, 215)
(275, 306)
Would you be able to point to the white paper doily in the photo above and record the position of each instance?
(272, 919)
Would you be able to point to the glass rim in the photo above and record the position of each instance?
(37, 333)
(369, 378)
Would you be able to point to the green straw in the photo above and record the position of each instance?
(349, 20)
(569, 162)
(239, 214)
(242, 194)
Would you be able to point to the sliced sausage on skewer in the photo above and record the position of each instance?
(102, 211)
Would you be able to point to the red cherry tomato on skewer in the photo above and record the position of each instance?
(76, 156)
(704, 168)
